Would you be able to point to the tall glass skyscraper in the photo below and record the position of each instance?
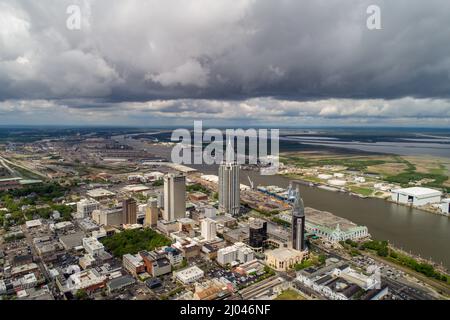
(174, 197)
(298, 223)
(229, 185)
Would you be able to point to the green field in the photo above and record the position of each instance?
(402, 170)
(362, 191)
(289, 295)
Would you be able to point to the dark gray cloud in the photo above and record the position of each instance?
(298, 50)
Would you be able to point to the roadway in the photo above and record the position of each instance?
(41, 265)
(5, 163)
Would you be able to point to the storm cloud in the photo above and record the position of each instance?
(244, 59)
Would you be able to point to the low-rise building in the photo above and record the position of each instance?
(134, 264)
(188, 249)
(100, 194)
(33, 223)
(283, 259)
(343, 283)
(120, 283)
(73, 240)
(24, 269)
(93, 246)
(87, 280)
(62, 226)
(332, 228)
(174, 255)
(87, 225)
(189, 275)
(156, 264)
(210, 290)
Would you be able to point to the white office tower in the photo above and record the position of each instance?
(85, 207)
(209, 230)
(229, 185)
(160, 200)
(174, 197)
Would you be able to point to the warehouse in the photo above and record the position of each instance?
(416, 196)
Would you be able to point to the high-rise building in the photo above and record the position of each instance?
(209, 231)
(108, 217)
(85, 207)
(298, 223)
(129, 211)
(160, 200)
(151, 213)
(229, 185)
(258, 233)
(174, 197)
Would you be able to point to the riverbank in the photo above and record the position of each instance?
(413, 230)
(385, 196)
(421, 233)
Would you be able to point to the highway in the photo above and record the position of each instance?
(5, 163)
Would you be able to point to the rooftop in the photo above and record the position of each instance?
(33, 223)
(96, 193)
(284, 253)
(121, 282)
(189, 272)
(327, 219)
(419, 192)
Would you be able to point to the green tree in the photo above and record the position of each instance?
(81, 295)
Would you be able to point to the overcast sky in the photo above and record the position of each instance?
(249, 62)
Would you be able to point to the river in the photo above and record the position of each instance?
(420, 232)
(413, 230)
(416, 231)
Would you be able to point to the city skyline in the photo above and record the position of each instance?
(211, 158)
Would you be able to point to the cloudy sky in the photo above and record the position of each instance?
(240, 62)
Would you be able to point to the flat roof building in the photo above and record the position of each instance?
(120, 283)
(33, 223)
(99, 194)
(93, 246)
(71, 241)
(416, 196)
(237, 252)
(283, 259)
(190, 275)
(133, 264)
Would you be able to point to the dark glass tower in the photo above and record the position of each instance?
(298, 223)
(258, 233)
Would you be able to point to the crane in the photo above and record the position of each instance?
(251, 182)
